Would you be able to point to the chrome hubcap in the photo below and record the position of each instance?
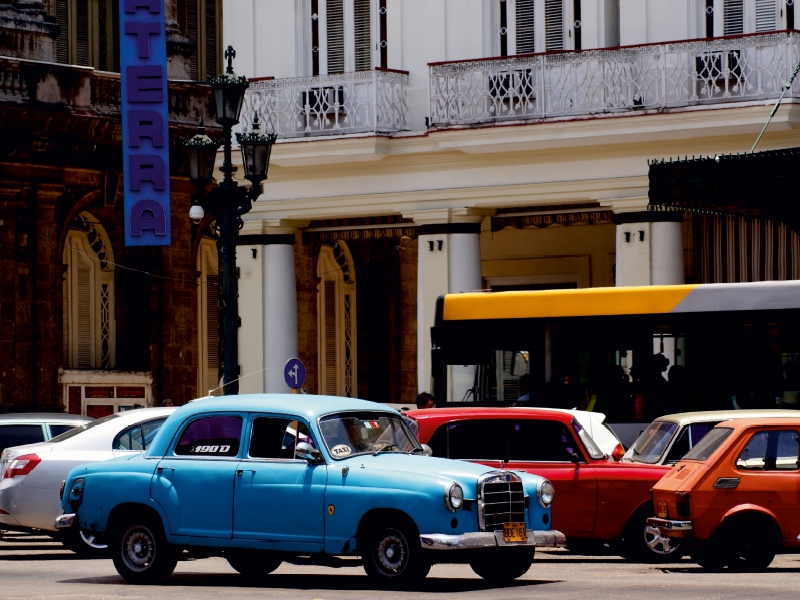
(138, 548)
(391, 552)
(658, 543)
(90, 540)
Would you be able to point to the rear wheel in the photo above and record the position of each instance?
(141, 552)
(504, 565)
(83, 543)
(642, 543)
(393, 555)
(752, 547)
(253, 563)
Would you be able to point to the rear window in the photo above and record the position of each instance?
(17, 435)
(211, 436)
(56, 430)
(83, 427)
(709, 444)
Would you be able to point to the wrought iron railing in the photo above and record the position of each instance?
(364, 101)
(636, 78)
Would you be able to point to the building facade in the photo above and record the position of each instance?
(438, 146)
(89, 325)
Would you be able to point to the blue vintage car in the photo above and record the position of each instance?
(261, 479)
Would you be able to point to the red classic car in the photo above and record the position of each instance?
(596, 500)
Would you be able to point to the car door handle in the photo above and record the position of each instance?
(240, 472)
(161, 469)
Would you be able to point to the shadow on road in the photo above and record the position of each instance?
(315, 582)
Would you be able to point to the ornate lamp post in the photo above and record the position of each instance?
(228, 202)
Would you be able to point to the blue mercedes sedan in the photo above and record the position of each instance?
(262, 479)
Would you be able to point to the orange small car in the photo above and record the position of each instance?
(734, 499)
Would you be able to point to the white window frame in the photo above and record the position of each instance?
(749, 10)
(76, 251)
(207, 264)
(349, 37)
(329, 271)
(540, 39)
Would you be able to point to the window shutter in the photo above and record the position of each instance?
(62, 41)
(65, 324)
(766, 15)
(363, 35)
(191, 33)
(212, 335)
(82, 32)
(507, 384)
(329, 307)
(733, 17)
(335, 23)
(525, 27)
(554, 24)
(84, 315)
(210, 28)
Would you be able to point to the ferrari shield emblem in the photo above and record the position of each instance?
(331, 509)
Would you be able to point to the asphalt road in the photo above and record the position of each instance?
(37, 567)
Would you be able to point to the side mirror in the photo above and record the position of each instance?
(428, 449)
(306, 451)
(618, 452)
(575, 457)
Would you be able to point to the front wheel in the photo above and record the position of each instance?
(504, 565)
(393, 556)
(141, 552)
(643, 543)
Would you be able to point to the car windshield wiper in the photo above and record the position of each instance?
(383, 448)
(416, 450)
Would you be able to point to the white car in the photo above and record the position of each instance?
(32, 475)
(600, 432)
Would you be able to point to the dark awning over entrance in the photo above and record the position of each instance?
(763, 184)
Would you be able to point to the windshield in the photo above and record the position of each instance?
(83, 427)
(649, 446)
(588, 442)
(348, 434)
(709, 444)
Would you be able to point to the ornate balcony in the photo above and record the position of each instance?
(364, 101)
(623, 80)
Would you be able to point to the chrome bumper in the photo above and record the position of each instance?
(667, 525)
(490, 539)
(65, 521)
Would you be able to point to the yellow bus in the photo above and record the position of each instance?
(633, 353)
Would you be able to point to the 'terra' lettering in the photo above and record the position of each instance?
(145, 83)
(143, 31)
(148, 215)
(146, 167)
(145, 124)
(153, 6)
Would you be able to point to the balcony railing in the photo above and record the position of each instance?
(364, 101)
(636, 78)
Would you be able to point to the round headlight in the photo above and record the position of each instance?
(546, 493)
(454, 497)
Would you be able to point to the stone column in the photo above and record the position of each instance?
(179, 48)
(27, 30)
(649, 243)
(268, 304)
(449, 261)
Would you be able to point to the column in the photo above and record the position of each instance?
(179, 48)
(449, 262)
(649, 243)
(267, 305)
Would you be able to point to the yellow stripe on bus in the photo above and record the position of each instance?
(588, 302)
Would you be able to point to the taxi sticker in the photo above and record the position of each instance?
(341, 450)
(331, 509)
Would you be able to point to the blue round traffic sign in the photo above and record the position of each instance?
(294, 373)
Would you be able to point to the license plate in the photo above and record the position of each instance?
(514, 532)
(662, 509)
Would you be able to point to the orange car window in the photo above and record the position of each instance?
(770, 451)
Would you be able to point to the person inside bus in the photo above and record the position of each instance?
(525, 389)
(791, 393)
(679, 396)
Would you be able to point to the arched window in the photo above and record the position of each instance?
(208, 319)
(336, 317)
(89, 325)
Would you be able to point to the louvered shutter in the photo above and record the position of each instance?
(62, 41)
(335, 24)
(766, 15)
(210, 27)
(554, 24)
(330, 386)
(65, 324)
(733, 17)
(191, 33)
(83, 314)
(363, 35)
(82, 33)
(525, 26)
(507, 384)
(212, 335)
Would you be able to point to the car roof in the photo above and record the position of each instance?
(308, 405)
(44, 418)
(757, 422)
(724, 415)
(491, 412)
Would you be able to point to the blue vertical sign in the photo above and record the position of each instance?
(145, 122)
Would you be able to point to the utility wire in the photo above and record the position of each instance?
(786, 88)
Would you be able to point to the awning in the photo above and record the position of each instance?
(763, 184)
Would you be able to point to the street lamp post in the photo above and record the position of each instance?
(228, 202)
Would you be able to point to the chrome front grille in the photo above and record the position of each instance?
(501, 499)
